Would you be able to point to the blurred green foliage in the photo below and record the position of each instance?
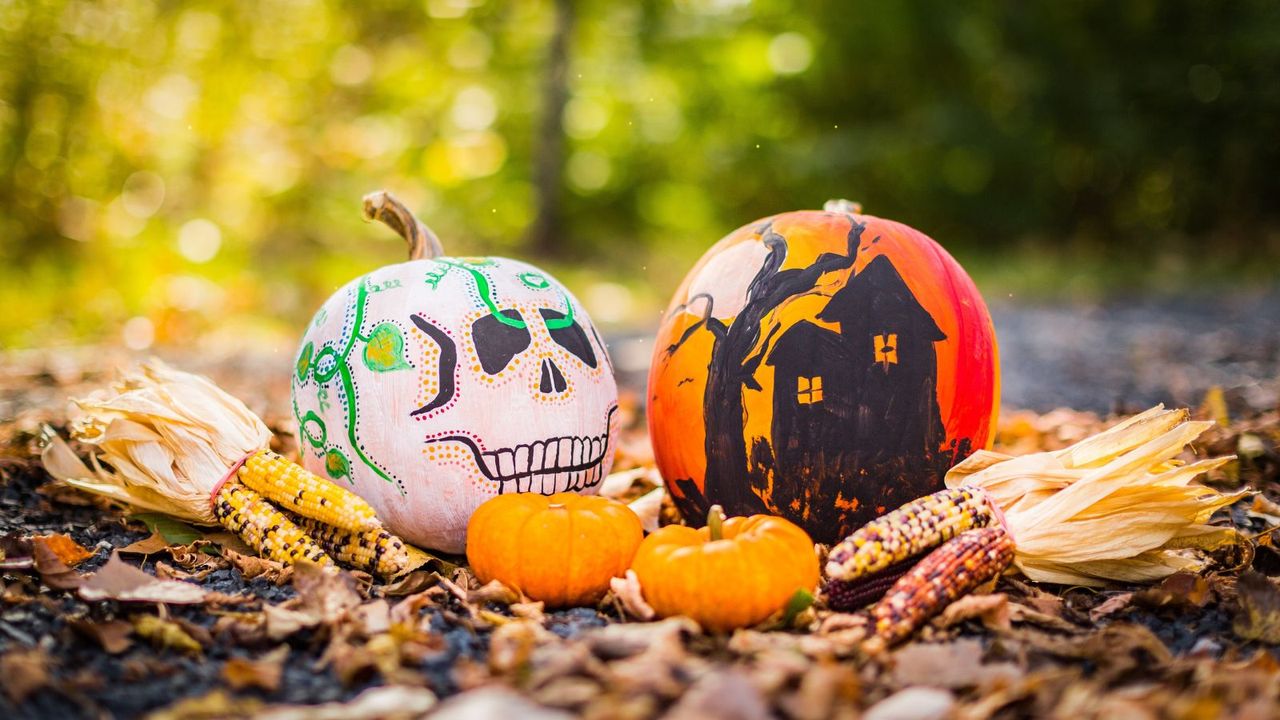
(184, 172)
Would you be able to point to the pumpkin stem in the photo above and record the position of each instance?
(382, 206)
(840, 205)
(715, 522)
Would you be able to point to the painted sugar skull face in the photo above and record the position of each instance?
(435, 384)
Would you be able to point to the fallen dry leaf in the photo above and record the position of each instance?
(198, 556)
(512, 644)
(622, 640)
(214, 705)
(15, 552)
(52, 570)
(992, 609)
(1111, 606)
(1259, 614)
(1180, 590)
(631, 595)
(281, 622)
(492, 702)
(263, 673)
(826, 690)
(915, 703)
(413, 583)
(492, 592)
(252, 566)
(70, 552)
(22, 672)
(648, 508)
(112, 635)
(953, 665)
(325, 596)
(120, 581)
(373, 618)
(166, 634)
(725, 694)
(1020, 613)
(392, 702)
(327, 593)
(1116, 649)
(150, 545)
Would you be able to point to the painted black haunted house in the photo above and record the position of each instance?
(855, 411)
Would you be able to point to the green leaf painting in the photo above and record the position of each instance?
(385, 349)
(304, 361)
(336, 464)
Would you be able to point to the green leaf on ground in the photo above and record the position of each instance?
(172, 530)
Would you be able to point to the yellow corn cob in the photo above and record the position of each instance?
(957, 567)
(305, 493)
(911, 530)
(375, 551)
(266, 529)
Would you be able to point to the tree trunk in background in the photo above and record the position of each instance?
(548, 158)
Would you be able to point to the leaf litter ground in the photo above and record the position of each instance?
(103, 614)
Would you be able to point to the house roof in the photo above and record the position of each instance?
(806, 343)
(878, 298)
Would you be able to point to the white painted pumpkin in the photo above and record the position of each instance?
(435, 384)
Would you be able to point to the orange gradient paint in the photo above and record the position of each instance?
(905, 363)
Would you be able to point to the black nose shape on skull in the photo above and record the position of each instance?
(552, 382)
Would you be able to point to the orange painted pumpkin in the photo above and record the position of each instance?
(561, 549)
(730, 574)
(824, 366)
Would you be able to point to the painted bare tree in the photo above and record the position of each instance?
(736, 353)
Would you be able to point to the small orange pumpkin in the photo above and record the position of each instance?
(561, 549)
(731, 574)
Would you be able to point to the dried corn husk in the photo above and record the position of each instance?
(165, 439)
(1115, 506)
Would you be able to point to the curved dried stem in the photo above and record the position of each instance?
(382, 206)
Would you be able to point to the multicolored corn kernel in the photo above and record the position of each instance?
(266, 529)
(911, 530)
(305, 493)
(957, 567)
(851, 595)
(375, 551)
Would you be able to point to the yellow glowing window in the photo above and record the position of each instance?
(809, 390)
(887, 349)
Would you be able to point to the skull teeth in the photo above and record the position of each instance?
(548, 466)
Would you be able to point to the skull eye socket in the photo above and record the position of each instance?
(571, 337)
(497, 342)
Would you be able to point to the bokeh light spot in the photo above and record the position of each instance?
(199, 240)
(143, 194)
(790, 53)
(609, 302)
(474, 108)
(588, 171)
(351, 65)
(138, 333)
(585, 117)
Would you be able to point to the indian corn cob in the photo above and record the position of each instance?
(375, 551)
(856, 567)
(266, 529)
(167, 441)
(953, 569)
(305, 493)
(849, 595)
